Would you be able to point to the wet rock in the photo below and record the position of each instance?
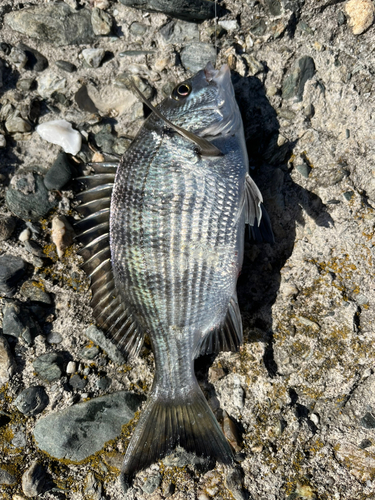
(49, 366)
(11, 271)
(35, 60)
(62, 133)
(33, 480)
(196, 55)
(93, 57)
(101, 22)
(28, 198)
(180, 32)
(81, 430)
(151, 483)
(7, 363)
(194, 10)
(6, 477)
(7, 225)
(55, 23)
(5, 48)
(34, 290)
(66, 66)
(62, 234)
(16, 124)
(98, 337)
(294, 82)
(17, 322)
(93, 489)
(60, 173)
(84, 101)
(49, 83)
(32, 400)
(361, 15)
(77, 382)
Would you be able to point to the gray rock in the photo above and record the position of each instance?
(138, 29)
(151, 483)
(32, 400)
(60, 172)
(181, 458)
(77, 382)
(66, 66)
(84, 101)
(19, 440)
(187, 10)
(7, 364)
(104, 138)
(3, 141)
(274, 7)
(55, 23)
(49, 83)
(26, 84)
(17, 322)
(16, 124)
(93, 57)
(103, 383)
(31, 205)
(34, 248)
(89, 352)
(11, 271)
(93, 489)
(49, 366)
(7, 225)
(33, 480)
(101, 22)
(6, 477)
(180, 32)
(35, 60)
(18, 57)
(303, 169)
(348, 195)
(196, 55)
(294, 82)
(98, 337)
(34, 290)
(81, 430)
(368, 421)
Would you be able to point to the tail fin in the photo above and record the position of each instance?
(167, 423)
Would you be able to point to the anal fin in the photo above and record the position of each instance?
(228, 336)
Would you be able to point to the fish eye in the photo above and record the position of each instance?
(182, 90)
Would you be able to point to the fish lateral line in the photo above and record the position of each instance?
(205, 148)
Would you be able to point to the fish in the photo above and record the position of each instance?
(163, 234)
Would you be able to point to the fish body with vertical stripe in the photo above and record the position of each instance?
(176, 230)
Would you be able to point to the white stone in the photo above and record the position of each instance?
(62, 234)
(71, 367)
(93, 57)
(229, 25)
(61, 132)
(48, 83)
(25, 235)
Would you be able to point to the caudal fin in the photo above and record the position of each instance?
(167, 423)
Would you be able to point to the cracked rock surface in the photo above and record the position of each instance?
(297, 402)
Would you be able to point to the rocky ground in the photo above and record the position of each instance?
(298, 401)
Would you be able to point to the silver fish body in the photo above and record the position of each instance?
(176, 232)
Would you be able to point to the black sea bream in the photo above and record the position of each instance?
(177, 221)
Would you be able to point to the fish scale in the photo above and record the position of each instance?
(180, 200)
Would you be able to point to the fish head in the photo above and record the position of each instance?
(204, 104)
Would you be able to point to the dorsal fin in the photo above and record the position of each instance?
(228, 336)
(110, 312)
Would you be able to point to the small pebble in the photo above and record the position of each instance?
(35, 60)
(34, 290)
(97, 336)
(3, 141)
(361, 15)
(77, 382)
(34, 248)
(16, 124)
(103, 383)
(138, 29)
(66, 66)
(7, 225)
(50, 82)
(26, 84)
(229, 25)
(54, 338)
(24, 235)
(61, 132)
(49, 366)
(32, 400)
(7, 363)
(62, 234)
(196, 55)
(18, 58)
(60, 173)
(89, 352)
(101, 22)
(151, 483)
(6, 477)
(71, 367)
(18, 322)
(11, 271)
(93, 57)
(33, 480)
(303, 169)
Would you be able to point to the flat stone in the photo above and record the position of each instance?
(84, 101)
(6, 477)
(55, 23)
(34, 290)
(101, 22)
(294, 82)
(196, 55)
(35, 60)
(77, 382)
(30, 205)
(303, 169)
(49, 366)
(11, 271)
(7, 363)
(66, 66)
(93, 57)
(194, 10)
(180, 32)
(81, 430)
(7, 225)
(98, 337)
(138, 29)
(33, 480)
(32, 400)
(361, 15)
